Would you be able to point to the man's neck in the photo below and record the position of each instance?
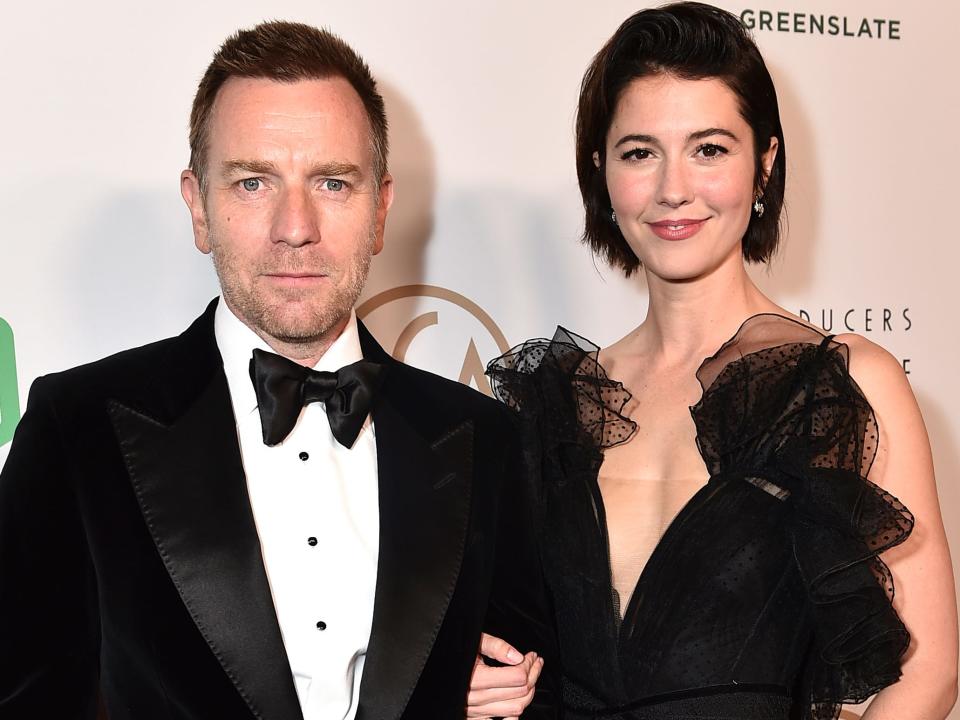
(305, 352)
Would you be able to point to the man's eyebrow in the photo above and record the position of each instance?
(697, 135)
(261, 167)
(265, 167)
(333, 168)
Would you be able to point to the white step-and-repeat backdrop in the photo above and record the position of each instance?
(482, 247)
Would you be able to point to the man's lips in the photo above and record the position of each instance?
(295, 278)
(295, 275)
(677, 229)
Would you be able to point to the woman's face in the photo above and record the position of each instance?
(680, 173)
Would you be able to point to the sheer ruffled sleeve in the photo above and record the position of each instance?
(791, 414)
(559, 385)
(568, 412)
(844, 522)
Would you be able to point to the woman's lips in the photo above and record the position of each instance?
(676, 229)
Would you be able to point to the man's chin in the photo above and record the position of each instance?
(294, 317)
(307, 327)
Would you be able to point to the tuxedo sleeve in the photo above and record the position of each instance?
(48, 621)
(520, 611)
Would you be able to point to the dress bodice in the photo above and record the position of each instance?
(766, 591)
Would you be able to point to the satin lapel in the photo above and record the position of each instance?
(425, 487)
(189, 481)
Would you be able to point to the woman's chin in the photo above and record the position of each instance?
(684, 267)
(674, 272)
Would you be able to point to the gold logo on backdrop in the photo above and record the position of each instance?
(472, 368)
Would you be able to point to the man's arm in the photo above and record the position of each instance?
(520, 612)
(48, 620)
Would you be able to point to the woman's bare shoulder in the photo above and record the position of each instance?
(878, 373)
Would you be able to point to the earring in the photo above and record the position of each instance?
(613, 216)
(758, 207)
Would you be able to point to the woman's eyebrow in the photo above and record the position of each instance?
(696, 135)
(637, 138)
(701, 134)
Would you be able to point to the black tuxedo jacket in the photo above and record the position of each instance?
(129, 560)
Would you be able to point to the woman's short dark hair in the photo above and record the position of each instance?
(691, 41)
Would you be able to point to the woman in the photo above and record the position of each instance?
(709, 535)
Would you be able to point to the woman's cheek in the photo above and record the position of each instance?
(631, 191)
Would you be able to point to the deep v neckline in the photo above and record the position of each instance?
(690, 505)
(660, 547)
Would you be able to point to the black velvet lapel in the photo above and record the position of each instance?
(425, 479)
(189, 481)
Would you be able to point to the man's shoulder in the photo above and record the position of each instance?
(132, 362)
(445, 396)
(136, 371)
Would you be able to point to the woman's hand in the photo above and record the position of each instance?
(502, 691)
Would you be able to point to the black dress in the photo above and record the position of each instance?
(765, 597)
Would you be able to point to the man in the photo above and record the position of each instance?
(203, 527)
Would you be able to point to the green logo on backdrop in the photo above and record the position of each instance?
(9, 396)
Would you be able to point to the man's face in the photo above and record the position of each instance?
(291, 210)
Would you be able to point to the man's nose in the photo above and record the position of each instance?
(674, 188)
(295, 219)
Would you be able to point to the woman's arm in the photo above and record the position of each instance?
(921, 566)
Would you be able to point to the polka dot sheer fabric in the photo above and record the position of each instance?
(766, 596)
(596, 402)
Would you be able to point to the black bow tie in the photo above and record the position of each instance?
(283, 387)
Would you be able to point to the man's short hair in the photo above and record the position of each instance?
(285, 52)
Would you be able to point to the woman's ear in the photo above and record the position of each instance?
(766, 161)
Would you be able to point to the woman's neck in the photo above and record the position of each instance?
(687, 321)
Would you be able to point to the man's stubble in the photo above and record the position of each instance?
(269, 312)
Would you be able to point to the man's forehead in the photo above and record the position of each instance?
(258, 111)
(299, 98)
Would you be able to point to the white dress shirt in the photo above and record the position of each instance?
(316, 508)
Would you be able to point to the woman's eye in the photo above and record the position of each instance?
(711, 151)
(637, 154)
(333, 185)
(251, 184)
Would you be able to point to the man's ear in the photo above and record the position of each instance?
(383, 207)
(193, 197)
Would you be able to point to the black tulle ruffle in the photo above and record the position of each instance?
(780, 411)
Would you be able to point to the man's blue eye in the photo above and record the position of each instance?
(251, 184)
(335, 185)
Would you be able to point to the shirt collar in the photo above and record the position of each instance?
(237, 342)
